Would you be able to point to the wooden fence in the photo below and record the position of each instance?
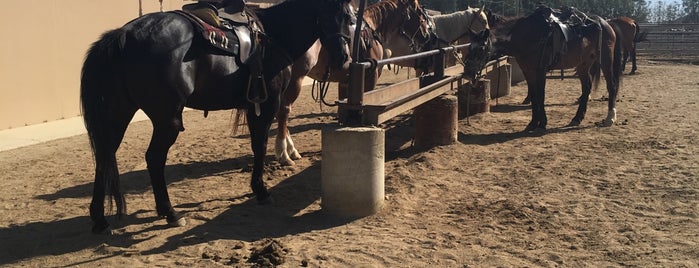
(673, 40)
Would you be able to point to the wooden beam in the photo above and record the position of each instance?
(391, 92)
(377, 114)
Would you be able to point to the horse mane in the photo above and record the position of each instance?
(451, 26)
(501, 25)
(500, 30)
(379, 12)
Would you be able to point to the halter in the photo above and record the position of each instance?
(470, 31)
(414, 46)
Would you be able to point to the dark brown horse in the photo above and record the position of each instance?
(160, 63)
(540, 43)
(632, 34)
(390, 25)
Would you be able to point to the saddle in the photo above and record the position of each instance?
(235, 31)
(232, 29)
(567, 24)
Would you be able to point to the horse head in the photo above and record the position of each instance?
(479, 20)
(418, 26)
(334, 20)
(478, 55)
(419, 31)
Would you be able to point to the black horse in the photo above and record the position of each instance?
(159, 63)
(537, 41)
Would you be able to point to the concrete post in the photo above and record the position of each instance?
(436, 122)
(352, 171)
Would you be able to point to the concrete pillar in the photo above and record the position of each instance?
(474, 99)
(500, 80)
(517, 74)
(436, 122)
(352, 171)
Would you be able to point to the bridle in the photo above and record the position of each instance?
(342, 35)
(430, 36)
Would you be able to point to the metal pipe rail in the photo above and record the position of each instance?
(377, 63)
(351, 110)
(372, 107)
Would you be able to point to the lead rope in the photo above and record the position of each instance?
(323, 87)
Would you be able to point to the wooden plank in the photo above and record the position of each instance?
(377, 114)
(391, 92)
(454, 70)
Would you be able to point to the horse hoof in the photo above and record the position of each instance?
(605, 123)
(535, 129)
(574, 123)
(180, 222)
(295, 155)
(286, 162)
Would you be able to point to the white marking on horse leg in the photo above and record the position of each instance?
(611, 117)
(291, 148)
(280, 151)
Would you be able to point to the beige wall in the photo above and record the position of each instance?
(42, 50)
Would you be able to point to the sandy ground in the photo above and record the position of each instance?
(626, 195)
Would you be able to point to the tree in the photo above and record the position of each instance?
(691, 9)
(640, 10)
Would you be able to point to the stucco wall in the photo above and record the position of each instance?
(42, 49)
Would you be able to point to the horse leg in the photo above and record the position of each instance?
(612, 80)
(107, 171)
(165, 133)
(586, 82)
(284, 148)
(536, 86)
(633, 60)
(259, 128)
(611, 67)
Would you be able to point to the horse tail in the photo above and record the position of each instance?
(596, 68)
(98, 88)
(617, 63)
(596, 72)
(639, 36)
(97, 83)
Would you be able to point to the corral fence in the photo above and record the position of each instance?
(375, 106)
(673, 40)
(353, 151)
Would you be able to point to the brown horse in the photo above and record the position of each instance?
(632, 34)
(540, 43)
(389, 25)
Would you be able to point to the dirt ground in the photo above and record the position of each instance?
(626, 195)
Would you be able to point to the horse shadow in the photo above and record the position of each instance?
(139, 181)
(509, 108)
(250, 221)
(246, 221)
(52, 238)
(502, 137)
